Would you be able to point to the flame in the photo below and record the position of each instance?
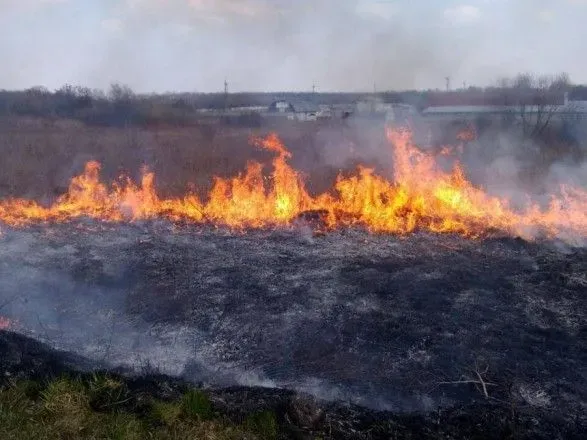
(467, 134)
(5, 323)
(244, 201)
(421, 196)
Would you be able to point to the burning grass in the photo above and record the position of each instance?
(5, 323)
(422, 196)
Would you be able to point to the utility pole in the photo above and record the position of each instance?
(447, 78)
(225, 94)
(314, 88)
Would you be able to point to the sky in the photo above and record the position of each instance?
(287, 45)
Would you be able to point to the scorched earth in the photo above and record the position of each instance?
(394, 323)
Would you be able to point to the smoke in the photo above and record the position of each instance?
(271, 46)
(187, 45)
(509, 164)
(76, 296)
(358, 141)
(89, 319)
(74, 293)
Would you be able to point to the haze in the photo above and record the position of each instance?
(342, 45)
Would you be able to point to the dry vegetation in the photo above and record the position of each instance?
(40, 156)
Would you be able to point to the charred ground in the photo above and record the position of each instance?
(408, 324)
(31, 369)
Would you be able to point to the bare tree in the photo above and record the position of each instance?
(533, 101)
(120, 93)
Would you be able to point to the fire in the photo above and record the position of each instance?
(5, 323)
(421, 196)
(244, 201)
(468, 134)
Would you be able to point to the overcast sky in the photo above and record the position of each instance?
(192, 45)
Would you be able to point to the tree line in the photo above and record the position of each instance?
(119, 105)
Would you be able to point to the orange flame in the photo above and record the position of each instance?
(421, 197)
(5, 323)
(467, 134)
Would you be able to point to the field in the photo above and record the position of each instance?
(40, 156)
(412, 336)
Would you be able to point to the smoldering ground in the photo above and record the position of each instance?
(396, 323)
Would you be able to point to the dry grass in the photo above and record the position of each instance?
(39, 157)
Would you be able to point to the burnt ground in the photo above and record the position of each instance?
(435, 325)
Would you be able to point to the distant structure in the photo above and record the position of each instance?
(225, 94)
(375, 107)
(293, 109)
(447, 79)
(454, 107)
(370, 105)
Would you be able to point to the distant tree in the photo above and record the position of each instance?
(120, 93)
(560, 82)
(534, 100)
(35, 101)
(69, 100)
(123, 101)
(578, 93)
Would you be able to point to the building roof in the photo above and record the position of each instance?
(299, 106)
(454, 109)
(577, 106)
(570, 107)
(371, 99)
(494, 98)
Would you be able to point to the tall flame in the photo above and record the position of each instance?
(421, 197)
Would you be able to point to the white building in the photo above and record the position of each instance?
(401, 113)
(296, 110)
(372, 104)
(567, 110)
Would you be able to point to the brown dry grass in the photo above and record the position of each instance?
(39, 157)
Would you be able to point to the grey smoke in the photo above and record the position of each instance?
(282, 45)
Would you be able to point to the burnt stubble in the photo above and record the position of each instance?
(399, 323)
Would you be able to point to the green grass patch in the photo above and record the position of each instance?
(264, 424)
(106, 392)
(195, 404)
(102, 407)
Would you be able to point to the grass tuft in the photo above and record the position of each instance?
(197, 405)
(66, 405)
(165, 413)
(122, 427)
(106, 392)
(264, 424)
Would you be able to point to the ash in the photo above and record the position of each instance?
(402, 324)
